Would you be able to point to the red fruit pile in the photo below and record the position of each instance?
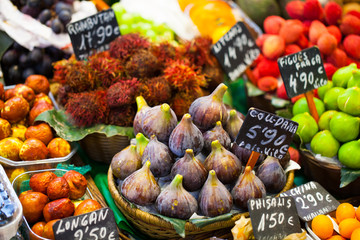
(336, 34)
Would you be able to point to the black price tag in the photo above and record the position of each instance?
(302, 71)
(266, 133)
(273, 218)
(93, 34)
(311, 200)
(96, 225)
(236, 50)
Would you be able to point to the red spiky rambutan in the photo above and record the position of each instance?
(183, 77)
(126, 45)
(198, 51)
(122, 116)
(80, 77)
(155, 90)
(122, 93)
(87, 108)
(181, 102)
(213, 74)
(107, 70)
(142, 64)
(164, 52)
(60, 71)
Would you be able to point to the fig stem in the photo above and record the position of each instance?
(233, 113)
(190, 153)
(177, 181)
(215, 145)
(213, 178)
(141, 102)
(218, 124)
(219, 92)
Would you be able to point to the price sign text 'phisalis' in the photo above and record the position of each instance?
(302, 71)
(266, 133)
(236, 50)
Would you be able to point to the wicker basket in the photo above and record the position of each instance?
(101, 148)
(158, 228)
(328, 176)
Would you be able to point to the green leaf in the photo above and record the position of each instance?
(179, 225)
(348, 176)
(83, 169)
(59, 121)
(202, 222)
(285, 113)
(5, 42)
(252, 90)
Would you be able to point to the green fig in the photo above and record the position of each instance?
(141, 143)
(323, 89)
(301, 106)
(342, 75)
(354, 81)
(349, 154)
(325, 118)
(307, 126)
(344, 127)
(325, 144)
(331, 96)
(349, 101)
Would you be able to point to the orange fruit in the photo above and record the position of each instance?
(58, 147)
(344, 211)
(336, 237)
(33, 149)
(357, 213)
(41, 132)
(219, 32)
(355, 234)
(322, 226)
(347, 226)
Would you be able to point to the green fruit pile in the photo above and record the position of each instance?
(134, 23)
(337, 131)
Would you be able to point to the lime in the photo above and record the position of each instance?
(325, 118)
(307, 126)
(325, 144)
(349, 154)
(330, 98)
(344, 127)
(301, 106)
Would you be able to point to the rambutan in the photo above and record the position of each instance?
(181, 103)
(79, 76)
(183, 77)
(87, 108)
(126, 45)
(198, 51)
(122, 93)
(164, 52)
(142, 64)
(155, 90)
(123, 116)
(214, 75)
(60, 70)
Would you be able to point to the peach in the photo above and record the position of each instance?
(38, 83)
(39, 182)
(261, 39)
(350, 25)
(295, 9)
(58, 209)
(268, 68)
(302, 42)
(33, 149)
(312, 10)
(77, 183)
(272, 24)
(5, 128)
(10, 148)
(21, 90)
(58, 147)
(292, 48)
(333, 13)
(15, 109)
(316, 29)
(267, 84)
(33, 204)
(41, 131)
(338, 58)
(335, 31)
(291, 30)
(58, 188)
(351, 45)
(327, 43)
(273, 47)
(87, 206)
(37, 109)
(306, 27)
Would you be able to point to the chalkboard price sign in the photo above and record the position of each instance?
(266, 133)
(96, 225)
(311, 200)
(273, 218)
(302, 71)
(93, 34)
(236, 50)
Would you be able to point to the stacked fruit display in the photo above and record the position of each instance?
(346, 221)
(21, 138)
(171, 151)
(336, 33)
(337, 132)
(52, 198)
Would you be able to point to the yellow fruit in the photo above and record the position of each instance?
(344, 211)
(18, 131)
(10, 148)
(322, 226)
(347, 226)
(355, 234)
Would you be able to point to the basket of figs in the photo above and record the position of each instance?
(187, 179)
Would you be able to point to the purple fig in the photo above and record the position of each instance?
(216, 133)
(142, 107)
(214, 198)
(186, 136)
(160, 157)
(192, 170)
(174, 201)
(207, 110)
(141, 187)
(272, 175)
(243, 154)
(226, 165)
(247, 187)
(233, 125)
(160, 121)
(125, 162)
(141, 143)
